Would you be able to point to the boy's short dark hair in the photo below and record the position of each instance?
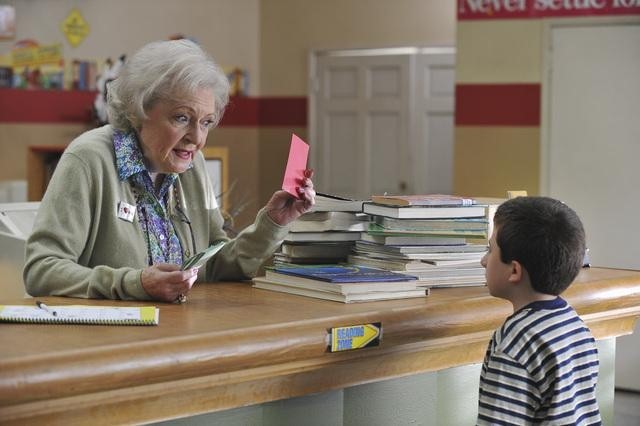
(545, 236)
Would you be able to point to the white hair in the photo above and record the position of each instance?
(159, 71)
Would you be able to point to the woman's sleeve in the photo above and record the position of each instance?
(241, 257)
(70, 208)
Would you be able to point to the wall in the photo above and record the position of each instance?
(270, 38)
(499, 76)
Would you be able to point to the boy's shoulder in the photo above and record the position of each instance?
(534, 325)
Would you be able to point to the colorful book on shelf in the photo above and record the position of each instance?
(80, 314)
(342, 274)
(423, 200)
(424, 212)
(373, 296)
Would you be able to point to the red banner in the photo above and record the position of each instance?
(534, 9)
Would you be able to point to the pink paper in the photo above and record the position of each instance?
(296, 165)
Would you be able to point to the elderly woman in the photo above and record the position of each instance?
(130, 201)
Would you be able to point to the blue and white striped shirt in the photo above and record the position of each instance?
(541, 367)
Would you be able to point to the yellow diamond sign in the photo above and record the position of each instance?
(75, 28)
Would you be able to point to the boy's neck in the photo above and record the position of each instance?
(524, 298)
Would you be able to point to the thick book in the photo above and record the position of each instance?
(80, 314)
(375, 235)
(330, 221)
(340, 287)
(343, 274)
(327, 202)
(327, 236)
(264, 284)
(432, 225)
(448, 250)
(423, 200)
(281, 258)
(325, 249)
(403, 255)
(397, 265)
(424, 212)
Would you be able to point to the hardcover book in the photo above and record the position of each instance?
(266, 284)
(433, 225)
(423, 200)
(327, 202)
(326, 236)
(424, 212)
(340, 287)
(330, 221)
(343, 274)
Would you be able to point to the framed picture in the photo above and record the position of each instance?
(7, 22)
(217, 164)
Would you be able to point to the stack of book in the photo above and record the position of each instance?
(438, 238)
(324, 235)
(341, 283)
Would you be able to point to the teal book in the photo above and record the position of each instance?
(343, 273)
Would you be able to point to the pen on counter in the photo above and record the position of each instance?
(45, 308)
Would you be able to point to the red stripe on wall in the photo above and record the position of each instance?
(62, 106)
(497, 105)
(283, 111)
(45, 106)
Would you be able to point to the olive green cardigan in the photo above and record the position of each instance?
(79, 247)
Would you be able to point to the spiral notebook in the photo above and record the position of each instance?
(79, 314)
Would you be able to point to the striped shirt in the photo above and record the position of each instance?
(541, 367)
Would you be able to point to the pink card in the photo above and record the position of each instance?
(296, 165)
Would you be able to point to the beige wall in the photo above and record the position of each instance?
(292, 28)
(492, 158)
(505, 51)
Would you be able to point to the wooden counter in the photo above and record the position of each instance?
(231, 345)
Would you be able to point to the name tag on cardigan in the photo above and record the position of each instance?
(126, 211)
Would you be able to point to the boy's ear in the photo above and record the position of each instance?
(516, 272)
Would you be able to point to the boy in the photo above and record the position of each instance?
(541, 366)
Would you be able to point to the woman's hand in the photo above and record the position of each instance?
(283, 208)
(166, 282)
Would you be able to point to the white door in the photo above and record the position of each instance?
(593, 146)
(373, 113)
(432, 142)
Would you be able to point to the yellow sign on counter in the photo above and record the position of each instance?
(355, 337)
